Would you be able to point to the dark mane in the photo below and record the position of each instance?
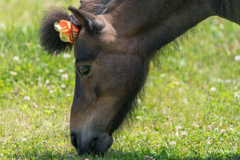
(97, 7)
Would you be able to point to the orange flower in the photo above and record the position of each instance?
(65, 32)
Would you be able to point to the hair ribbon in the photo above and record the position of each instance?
(66, 32)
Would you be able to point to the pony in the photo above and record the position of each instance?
(114, 42)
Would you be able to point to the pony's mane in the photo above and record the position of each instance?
(97, 7)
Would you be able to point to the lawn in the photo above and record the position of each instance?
(190, 110)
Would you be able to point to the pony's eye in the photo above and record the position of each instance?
(84, 70)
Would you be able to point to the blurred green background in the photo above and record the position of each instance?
(195, 85)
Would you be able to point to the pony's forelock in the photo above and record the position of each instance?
(49, 37)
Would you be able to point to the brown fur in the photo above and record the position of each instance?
(117, 40)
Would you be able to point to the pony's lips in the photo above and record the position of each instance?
(102, 144)
(97, 145)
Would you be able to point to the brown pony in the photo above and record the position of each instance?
(116, 41)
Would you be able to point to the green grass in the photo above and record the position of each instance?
(176, 94)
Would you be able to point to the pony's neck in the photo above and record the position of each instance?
(146, 26)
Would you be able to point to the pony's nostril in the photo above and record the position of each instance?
(74, 140)
(93, 142)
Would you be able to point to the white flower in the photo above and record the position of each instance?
(51, 92)
(208, 142)
(221, 26)
(13, 73)
(209, 127)
(219, 80)
(139, 117)
(216, 129)
(228, 81)
(237, 58)
(213, 89)
(68, 95)
(146, 128)
(35, 105)
(61, 70)
(184, 133)
(236, 95)
(24, 139)
(230, 129)
(222, 131)
(177, 133)
(146, 157)
(26, 98)
(64, 76)
(16, 58)
(2, 26)
(31, 83)
(195, 125)
(173, 143)
(47, 82)
(185, 101)
(66, 55)
(176, 83)
(63, 86)
(138, 101)
(178, 128)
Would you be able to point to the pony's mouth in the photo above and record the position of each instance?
(98, 145)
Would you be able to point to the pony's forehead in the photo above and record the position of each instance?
(84, 53)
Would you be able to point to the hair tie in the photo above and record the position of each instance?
(67, 31)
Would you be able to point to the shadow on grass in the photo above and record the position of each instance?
(44, 155)
(112, 154)
(161, 156)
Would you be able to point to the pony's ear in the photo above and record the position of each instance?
(49, 37)
(82, 1)
(89, 21)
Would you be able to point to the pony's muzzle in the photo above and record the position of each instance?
(74, 140)
(93, 145)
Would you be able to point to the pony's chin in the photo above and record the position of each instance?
(96, 146)
(103, 144)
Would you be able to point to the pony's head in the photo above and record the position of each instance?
(109, 75)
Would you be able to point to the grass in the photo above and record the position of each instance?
(179, 93)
